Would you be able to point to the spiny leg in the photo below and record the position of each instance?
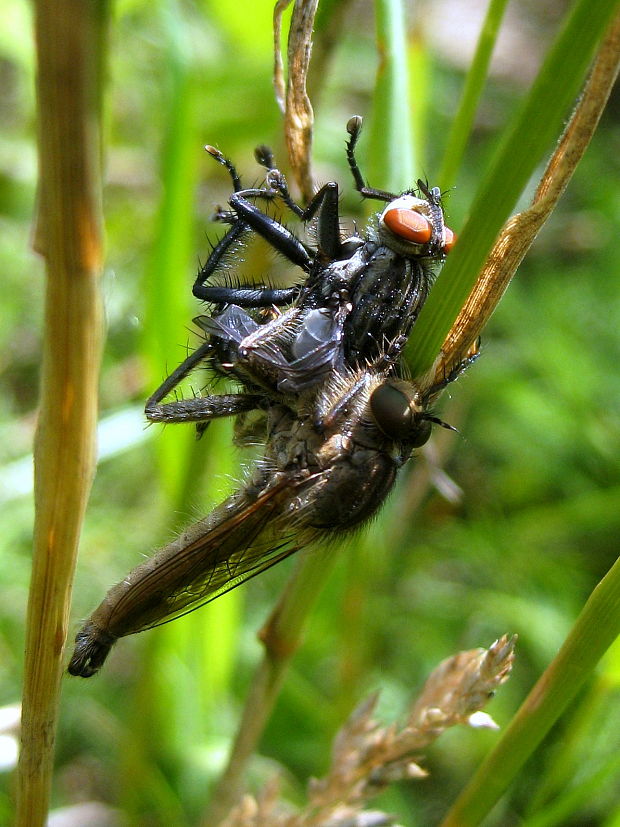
(199, 409)
(274, 233)
(225, 162)
(354, 127)
(244, 216)
(246, 296)
(202, 409)
(324, 202)
(243, 296)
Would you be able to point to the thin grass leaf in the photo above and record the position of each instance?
(167, 297)
(419, 71)
(472, 90)
(524, 144)
(576, 798)
(390, 150)
(595, 630)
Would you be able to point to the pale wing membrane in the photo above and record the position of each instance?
(241, 538)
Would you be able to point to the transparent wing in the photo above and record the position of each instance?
(241, 538)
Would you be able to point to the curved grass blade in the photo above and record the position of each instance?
(534, 127)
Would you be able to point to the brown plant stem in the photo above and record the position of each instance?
(281, 636)
(519, 232)
(68, 236)
(293, 98)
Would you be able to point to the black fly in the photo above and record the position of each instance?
(336, 414)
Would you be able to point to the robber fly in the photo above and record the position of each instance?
(323, 376)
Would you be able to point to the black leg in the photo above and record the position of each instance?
(276, 179)
(243, 296)
(246, 296)
(234, 233)
(264, 156)
(217, 254)
(177, 375)
(244, 216)
(271, 230)
(202, 409)
(328, 229)
(215, 153)
(325, 203)
(354, 127)
(198, 409)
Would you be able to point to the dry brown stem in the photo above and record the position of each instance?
(68, 236)
(294, 101)
(520, 230)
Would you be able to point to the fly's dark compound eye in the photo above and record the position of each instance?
(421, 435)
(395, 414)
(391, 410)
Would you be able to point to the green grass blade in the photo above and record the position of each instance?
(576, 798)
(419, 65)
(595, 630)
(391, 156)
(168, 298)
(534, 128)
(474, 84)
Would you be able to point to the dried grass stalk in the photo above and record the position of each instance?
(367, 757)
(68, 236)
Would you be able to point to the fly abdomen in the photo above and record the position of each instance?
(240, 538)
(92, 646)
(356, 487)
(386, 299)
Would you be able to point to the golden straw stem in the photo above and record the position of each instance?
(68, 236)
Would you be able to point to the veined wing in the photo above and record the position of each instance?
(239, 539)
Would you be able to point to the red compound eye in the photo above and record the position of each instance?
(408, 224)
(449, 239)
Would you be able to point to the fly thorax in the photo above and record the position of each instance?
(341, 275)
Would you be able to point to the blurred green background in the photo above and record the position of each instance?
(537, 520)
